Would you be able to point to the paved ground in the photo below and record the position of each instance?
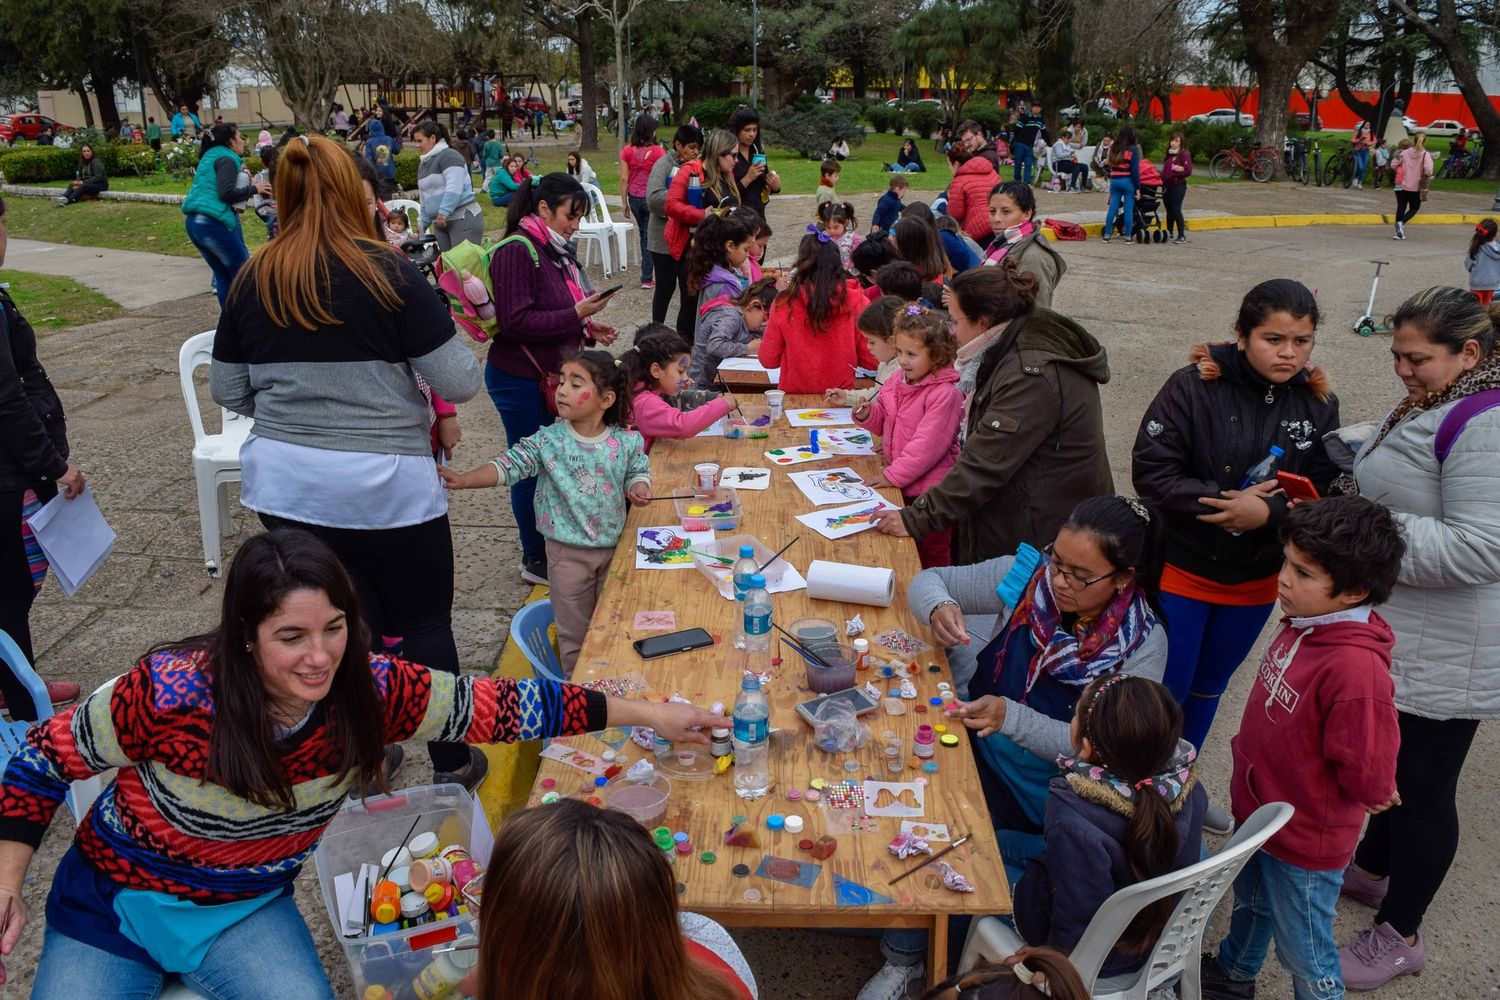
(134, 279)
(1148, 304)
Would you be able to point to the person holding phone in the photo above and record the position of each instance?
(1211, 423)
(756, 180)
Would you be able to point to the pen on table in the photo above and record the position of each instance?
(918, 867)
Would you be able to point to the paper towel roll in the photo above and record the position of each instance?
(831, 581)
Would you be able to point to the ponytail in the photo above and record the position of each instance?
(559, 190)
(818, 279)
(1013, 980)
(652, 349)
(1483, 233)
(1134, 725)
(707, 249)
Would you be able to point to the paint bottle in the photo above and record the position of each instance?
(923, 744)
(719, 742)
(423, 845)
(414, 907)
(385, 902)
(861, 654)
(439, 981)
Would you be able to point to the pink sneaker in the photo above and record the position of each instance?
(1379, 955)
(1369, 891)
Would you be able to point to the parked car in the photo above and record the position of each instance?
(530, 104)
(1302, 121)
(1439, 127)
(29, 126)
(1104, 106)
(1224, 116)
(896, 102)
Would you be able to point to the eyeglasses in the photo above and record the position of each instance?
(1070, 578)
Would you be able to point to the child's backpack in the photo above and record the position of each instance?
(464, 274)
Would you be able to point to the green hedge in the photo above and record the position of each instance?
(886, 119)
(33, 164)
(714, 112)
(923, 119)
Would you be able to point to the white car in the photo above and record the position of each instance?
(1440, 127)
(1224, 116)
(896, 102)
(1104, 106)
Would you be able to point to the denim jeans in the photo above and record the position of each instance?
(523, 412)
(1024, 156)
(1206, 645)
(1361, 161)
(642, 214)
(1293, 906)
(268, 954)
(223, 248)
(1121, 202)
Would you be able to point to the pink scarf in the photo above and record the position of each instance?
(1008, 239)
(571, 271)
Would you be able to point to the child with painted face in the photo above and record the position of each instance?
(656, 371)
(729, 327)
(1211, 424)
(588, 466)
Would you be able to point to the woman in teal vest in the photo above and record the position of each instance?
(219, 192)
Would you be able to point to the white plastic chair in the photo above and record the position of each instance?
(601, 228)
(411, 209)
(1176, 951)
(216, 457)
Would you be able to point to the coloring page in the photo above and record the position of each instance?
(740, 477)
(828, 416)
(840, 522)
(825, 486)
(668, 548)
(850, 441)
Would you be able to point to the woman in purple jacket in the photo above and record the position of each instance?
(1176, 168)
(543, 308)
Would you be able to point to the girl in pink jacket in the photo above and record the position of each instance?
(656, 368)
(917, 413)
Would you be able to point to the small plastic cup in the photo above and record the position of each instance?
(837, 675)
(644, 801)
(708, 476)
(775, 399)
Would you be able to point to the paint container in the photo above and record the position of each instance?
(439, 981)
(464, 872)
(433, 871)
(708, 476)
(775, 399)
(423, 845)
(414, 906)
(923, 744)
(385, 902)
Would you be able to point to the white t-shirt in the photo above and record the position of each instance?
(339, 489)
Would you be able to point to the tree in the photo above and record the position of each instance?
(952, 40)
(1280, 36)
(578, 27)
(616, 15)
(177, 47)
(693, 49)
(77, 45)
(1463, 31)
(1372, 48)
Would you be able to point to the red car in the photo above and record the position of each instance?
(531, 105)
(28, 126)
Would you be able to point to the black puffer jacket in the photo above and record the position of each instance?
(33, 437)
(1208, 426)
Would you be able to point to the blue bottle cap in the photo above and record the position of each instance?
(775, 821)
(680, 837)
(1277, 450)
(758, 581)
(750, 682)
(600, 781)
(935, 701)
(747, 552)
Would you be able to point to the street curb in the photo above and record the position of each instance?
(1225, 222)
(149, 197)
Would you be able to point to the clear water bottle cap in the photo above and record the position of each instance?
(758, 581)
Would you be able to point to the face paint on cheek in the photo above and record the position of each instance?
(585, 396)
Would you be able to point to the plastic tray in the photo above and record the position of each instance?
(362, 832)
(751, 420)
(699, 513)
(710, 562)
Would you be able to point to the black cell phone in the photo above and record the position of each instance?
(610, 291)
(657, 646)
(857, 699)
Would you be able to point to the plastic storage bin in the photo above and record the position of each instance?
(720, 511)
(362, 832)
(716, 558)
(751, 420)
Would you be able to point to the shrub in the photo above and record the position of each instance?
(1205, 139)
(130, 160)
(33, 164)
(811, 131)
(406, 169)
(923, 119)
(991, 119)
(714, 112)
(886, 119)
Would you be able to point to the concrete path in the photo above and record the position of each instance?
(133, 278)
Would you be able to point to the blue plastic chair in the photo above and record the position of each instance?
(528, 630)
(13, 734)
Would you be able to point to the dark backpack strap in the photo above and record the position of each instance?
(1456, 419)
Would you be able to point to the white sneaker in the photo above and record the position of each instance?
(892, 982)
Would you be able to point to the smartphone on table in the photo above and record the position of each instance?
(653, 647)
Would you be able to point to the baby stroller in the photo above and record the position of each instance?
(1146, 225)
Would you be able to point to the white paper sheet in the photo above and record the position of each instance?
(827, 416)
(742, 477)
(717, 429)
(840, 522)
(75, 538)
(826, 486)
(668, 547)
(773, 375)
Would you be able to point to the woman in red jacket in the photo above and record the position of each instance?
(811, 334)
(699, 186)
(969, 194)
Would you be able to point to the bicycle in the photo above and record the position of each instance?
(1295, 157)
(1340, 167)
(1259, 164)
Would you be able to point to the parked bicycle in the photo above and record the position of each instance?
(1340, 166)
(1466, 163)
(1259, 164)
(1295, 158)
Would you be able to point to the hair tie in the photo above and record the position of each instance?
(1143, 783)
(1479, 228)
(813, 230)
(914, 310)
(1138, 508)
(618, 362)
(1022, 973)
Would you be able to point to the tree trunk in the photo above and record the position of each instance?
(1055, 63)
(88, 109)
(1277, 81)
(1166, 107)
(1448, 35)
(622, 99)
(109, 113)
(588, 70)
(861, 74)
(1278, 42)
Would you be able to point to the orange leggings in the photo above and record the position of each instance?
(1484, 296)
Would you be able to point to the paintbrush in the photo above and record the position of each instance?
(916, 868)
(857, 369)
(762, 567)
(720, 379)
(679, 496)
(806, 653)
(397, 852)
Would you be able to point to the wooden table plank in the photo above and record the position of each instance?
(754, 383)
(704, 809)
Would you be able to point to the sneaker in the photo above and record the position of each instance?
(60, 693)
(1362, 889)
(892, 982)
(535, 572)
(469, 776)
(1105, 238)
(1379, 955)
(1182, 238)
(1217, 986)
(1130, 241)
(648, 284)
(1216, 820)
(1400, 231)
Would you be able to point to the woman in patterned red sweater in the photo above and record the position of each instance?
(236, 749)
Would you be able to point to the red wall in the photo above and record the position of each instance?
(1424, 107)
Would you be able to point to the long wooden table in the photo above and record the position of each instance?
(704, 809)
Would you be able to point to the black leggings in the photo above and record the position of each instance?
(94, 188)
(16, 595)
(1414, 843)
(1408, 204)
(405, 582)
(671, 276)
(1173, 195)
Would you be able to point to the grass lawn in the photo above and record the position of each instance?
(52, 303)
(114, 224)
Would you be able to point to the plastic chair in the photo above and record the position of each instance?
(528, 630)
(216, 457)
(412, 210)
(622, 230)
(1176, 950)
(81, 794)
(599, 227)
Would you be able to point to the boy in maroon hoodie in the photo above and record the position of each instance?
(1319, 731)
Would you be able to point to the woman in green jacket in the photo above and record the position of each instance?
(91, 178)
(502, 184)
(219, 193)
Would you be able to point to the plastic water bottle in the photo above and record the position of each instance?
(1264, 469)
(757, 615)
(744, 568)
(752, 740)
(739, 621)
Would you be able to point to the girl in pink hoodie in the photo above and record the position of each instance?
(917, 414)
(656, 368)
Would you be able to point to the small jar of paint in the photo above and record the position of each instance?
(925, 740)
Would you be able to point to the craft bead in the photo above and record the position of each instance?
(549, 798)
(708, 857)
(548, 783)
(741, 871)
(812, 795)
(793, 794)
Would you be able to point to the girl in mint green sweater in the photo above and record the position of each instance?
(588, 468)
